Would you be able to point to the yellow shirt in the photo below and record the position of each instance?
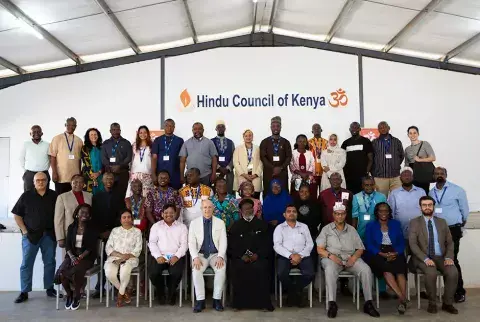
(68, 162)
(316, 146)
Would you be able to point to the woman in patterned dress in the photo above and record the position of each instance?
(92, 169)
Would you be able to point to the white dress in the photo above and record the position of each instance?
(125, 241)
(335, 158)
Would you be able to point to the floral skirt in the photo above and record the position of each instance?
(146, 180)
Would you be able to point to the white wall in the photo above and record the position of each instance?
(128, 94)
(443, 106)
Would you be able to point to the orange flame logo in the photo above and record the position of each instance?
(185, 98)
(339, 98)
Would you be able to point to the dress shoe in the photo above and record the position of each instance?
(21, 298)
(432, 308)
(369, 309)
(459, 298)
(96, 294)
(332, 310)
(449, 308)
(199, 306)
(217, 305)
(51, 292)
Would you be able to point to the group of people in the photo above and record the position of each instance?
(350, 207)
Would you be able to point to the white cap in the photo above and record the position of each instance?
(220, 122)
(339, 207)
(406, 169)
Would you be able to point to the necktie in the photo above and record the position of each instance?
(431, 241)
(207, 235)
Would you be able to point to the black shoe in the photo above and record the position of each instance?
(459, 298)
(432, 308)
(449, 308)
(96, 294)
(369, 309)
(332, 310)
(385, 296)
(423, 295)
(217, 305)
(199, 306)
(75, 305)
(21, 298)
(51, 292)
(68, 303)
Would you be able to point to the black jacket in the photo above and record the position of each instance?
(106, 210)
(89, 242)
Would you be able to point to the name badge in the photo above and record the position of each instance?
(345, 195)
(366, 217)
(113, 160)
(71, 157)
(250, 166)
(276, 158)
(188, 198)
(136, 222)
(388, 156)
(166, 158)
(221, 159)
(438, 210)
(204, 197)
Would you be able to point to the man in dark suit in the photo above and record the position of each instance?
(432, 250)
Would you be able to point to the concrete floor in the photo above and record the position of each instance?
(39, 308)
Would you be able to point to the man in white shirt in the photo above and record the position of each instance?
(207, 241)
(168, 246)
(293, 243)
(34, 157)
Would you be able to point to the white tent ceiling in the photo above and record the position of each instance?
(423, 28)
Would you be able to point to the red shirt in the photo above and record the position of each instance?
(79, 196)
(327, 200)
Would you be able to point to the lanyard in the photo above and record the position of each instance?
(70, 147)
(249, 154)
(276, 146)
(136, 207)
(142, 153)
(167, 148)
(441, 198)
(221, 148)
(336, 196)
(114, 148)
(198, 194)
(372, 199)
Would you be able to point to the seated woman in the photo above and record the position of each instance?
(123, 249)
(247, 191)
(309, 212)
(384, 254)
(275, 203)
(81, 246)
(226, 206)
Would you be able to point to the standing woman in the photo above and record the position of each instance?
(418, 151)
(333, 160)
(92, 169)
(302, 167)
(81, 247)
(141, 167)
(247, 164)
(246, 191)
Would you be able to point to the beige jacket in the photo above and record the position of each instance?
(64, 208)
(240, 163)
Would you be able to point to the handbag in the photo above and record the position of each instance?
(423, 171)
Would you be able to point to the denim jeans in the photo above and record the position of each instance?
(47, 245)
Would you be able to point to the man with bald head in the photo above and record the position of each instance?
(207, 242)
(34, 157)
(388, 156)
(34, 213)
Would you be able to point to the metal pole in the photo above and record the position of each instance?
(360, 90)
(162, 91)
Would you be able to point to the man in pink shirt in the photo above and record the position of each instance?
(168, 246)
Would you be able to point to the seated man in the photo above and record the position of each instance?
(168, 246)
(432, 249)
(341, 249)
(207, 241)
(293, 243)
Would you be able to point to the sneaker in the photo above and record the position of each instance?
(21, 298)
(68, 303)
(75, 305)
(401, 308)
(459, 298)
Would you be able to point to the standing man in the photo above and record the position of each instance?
(116, 157)
(34, 158)
(65, 151)
(293, 244)
(316, 145)
(404, 201)
(451, 205)
(335, 195)
(207, 242)
(359, 158)
(199, 152)
(34, 212)
(165, 154)
(276, 154)
(432, 250)
(225, 148)
(192, 195)
(388, 156)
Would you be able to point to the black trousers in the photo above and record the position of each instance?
(457, 234)
(28, 179)
(62, 187)
(423, 185)
(121, 183)
(354, 184)
(173, 279)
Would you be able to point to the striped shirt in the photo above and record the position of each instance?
(388, 156)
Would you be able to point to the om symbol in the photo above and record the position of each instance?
(339, 98)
